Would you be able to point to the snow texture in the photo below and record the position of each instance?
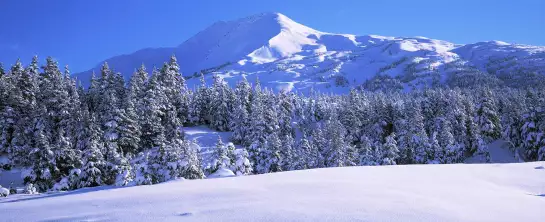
(458, 192)
(205, 137)
(4, 192)
(222, 172)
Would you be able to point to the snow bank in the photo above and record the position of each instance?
(458, 192)
(222, 172)
(4, 192)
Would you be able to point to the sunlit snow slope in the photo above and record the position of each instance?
(286, 55)
(460, 192)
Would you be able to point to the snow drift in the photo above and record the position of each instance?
(459, 192)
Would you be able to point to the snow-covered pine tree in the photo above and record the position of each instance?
(192, 162)
(242, 163)
(153, 132)
(241, 109)
(487, 116)
(285, 114)
(68, 160)
(320, 143)
(44, 170)
(257, 129)
(272, 154)
(55, 97)
(221, 158)
(378, 150)
(367, 157)
(110, 112)
(532, 132)
(199, 107)
(23, 99)
(514, 106)
(134, 107)
(474, 143)
(304, 151)
(2, 70)
(173, 86)
(391, 152)
(446, 141)
(305, 115)
(335, 152)
(129, 128)
(137, 89)
(171, 161)
(74, 106)
(90, 143)
(288, 153)
(350, 115)
(5, 127)
(418, 138)
(231, 153)
(221, 106)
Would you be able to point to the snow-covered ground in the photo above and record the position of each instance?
(459, 192)
(499, 153)
(206, 137)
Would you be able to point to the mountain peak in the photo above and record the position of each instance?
(277, 21)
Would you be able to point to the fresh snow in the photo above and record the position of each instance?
(222, 172)
(499, 153)
(457, 192)
(3, 192)
(206, 137)
(11, 177)
(286, 55)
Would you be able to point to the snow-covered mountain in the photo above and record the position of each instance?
(286, 55)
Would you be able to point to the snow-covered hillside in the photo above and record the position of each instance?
(488, 192)
(287, 55)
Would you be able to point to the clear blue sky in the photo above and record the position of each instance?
(83, 33)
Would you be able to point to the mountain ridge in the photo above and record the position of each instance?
(289, 55)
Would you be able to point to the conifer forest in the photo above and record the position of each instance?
(132, 133)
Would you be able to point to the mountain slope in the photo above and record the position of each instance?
(457, 192)
(286, 55)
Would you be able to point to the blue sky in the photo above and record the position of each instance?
(83, 33)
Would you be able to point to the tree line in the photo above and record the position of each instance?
(118, 133)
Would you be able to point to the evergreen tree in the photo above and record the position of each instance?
(336, 150)
(241, 109)
(273, 155)
(242, 164)
(285, 113)
(221, 105)
(487, 117)
(90, 143)
(137, 90)
(2, 70)
(44, 170)
(221, 157)
(129, 127)
(153, 132)
(192, 162)
(391, 153)
(320, 143)
(199, 108)
(367, 157)
(304, 158)
(288, 153)
(24, 102)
